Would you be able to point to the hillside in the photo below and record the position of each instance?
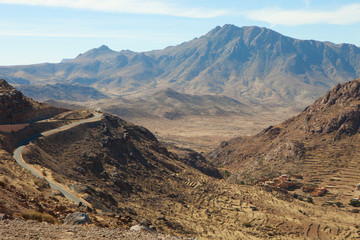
(16, 108)
(171, 105)
(250, 64)
(321, 144)
(123, 171)
(128, 175)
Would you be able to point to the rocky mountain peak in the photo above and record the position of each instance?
(248, 34)
(5, 86)
(97, 52)
(338, 111)
(341, 94)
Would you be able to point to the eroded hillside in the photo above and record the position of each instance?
(320, 144)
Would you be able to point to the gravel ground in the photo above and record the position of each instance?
(20, 229)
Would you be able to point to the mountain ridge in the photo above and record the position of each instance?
(320, 144)
(251, 64)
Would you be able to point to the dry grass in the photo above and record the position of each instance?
(38, 216)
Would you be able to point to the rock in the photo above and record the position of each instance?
(308, 188)
(4, 216)
(319, 191)
(145, 225)
(140, 227)
(145, 222)
(77, 218)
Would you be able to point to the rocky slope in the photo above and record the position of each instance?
(320, 143)
(16, 108)
(251, 64)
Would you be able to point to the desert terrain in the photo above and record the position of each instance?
(242, 133)
(205, 133)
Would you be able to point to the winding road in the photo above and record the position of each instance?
(57, 186)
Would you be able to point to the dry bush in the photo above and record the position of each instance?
(38, 216)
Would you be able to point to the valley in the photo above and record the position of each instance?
(242, 133)
(107, 162)
(204, 133)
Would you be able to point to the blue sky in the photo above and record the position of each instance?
(36, 31)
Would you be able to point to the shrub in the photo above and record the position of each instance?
(246, 224)
(310, 200)
(226, 174)
(354, 203)
(38, 216)
(2, 184)
(339, 204)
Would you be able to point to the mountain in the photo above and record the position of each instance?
(62, 91)
(170, 104)
(321, 144)
(250, 64)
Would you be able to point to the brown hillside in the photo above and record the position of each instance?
(123, 171)
(128, 176)
(321, 144)
(16, 108)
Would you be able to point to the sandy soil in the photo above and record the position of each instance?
(20, 229)
(204, 133)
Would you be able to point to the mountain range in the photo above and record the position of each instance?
(250, 64)
(167, 103)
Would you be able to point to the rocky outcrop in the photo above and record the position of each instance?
(16, 108)
(144, 225)
(77, 218)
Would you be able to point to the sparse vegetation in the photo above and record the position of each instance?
(247, 224)
(339, 204)
(226, 174)
(2, 184)
(354, 202)
(38, 216)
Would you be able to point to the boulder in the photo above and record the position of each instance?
(77, 218)
(319, 191)
(145, 225)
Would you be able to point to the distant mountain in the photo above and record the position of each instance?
(171, 104)
(62, 91)
(251, 64)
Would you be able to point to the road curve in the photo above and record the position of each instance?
(58, 186)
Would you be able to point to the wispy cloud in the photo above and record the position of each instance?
(59, 35)
(307, 2)
(347, 14)
(158, 7)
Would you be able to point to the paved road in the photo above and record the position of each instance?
(18, 157)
